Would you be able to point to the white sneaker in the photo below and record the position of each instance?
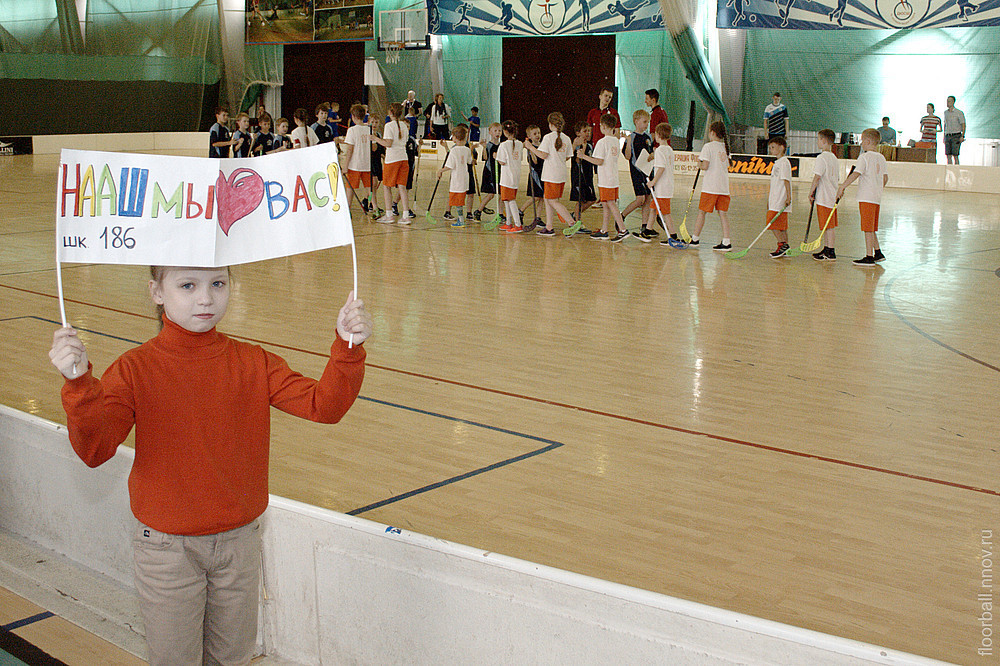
(407, 217)
(386, 219)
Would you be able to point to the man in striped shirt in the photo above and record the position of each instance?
(930, 125)
(776, 117)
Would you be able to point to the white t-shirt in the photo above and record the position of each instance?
(780, 172)
(554, 167)
(716, 179)
(827, 167)
(872, 167)
(663, 162)
(397, 133)
(359, 136)
(303, 137)
(458, 160)
(509, 155)
(607, 172)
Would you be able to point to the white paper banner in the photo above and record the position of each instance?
(123, 208)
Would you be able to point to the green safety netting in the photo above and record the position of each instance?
(848, 80)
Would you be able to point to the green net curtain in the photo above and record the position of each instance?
(472, 75)
(848, 80)
(30, 27)
(646, 60)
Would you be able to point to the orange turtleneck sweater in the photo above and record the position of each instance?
(200, 403)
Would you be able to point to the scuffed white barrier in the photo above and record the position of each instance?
(123, 142)
(341, 589)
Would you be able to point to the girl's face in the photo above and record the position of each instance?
(439, 98)
(243, 124)
(193, 298)
(586, 132)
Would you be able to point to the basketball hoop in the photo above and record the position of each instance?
(392, 51)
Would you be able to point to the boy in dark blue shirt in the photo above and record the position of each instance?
(242, 137)
(324, 132)
(219, 138)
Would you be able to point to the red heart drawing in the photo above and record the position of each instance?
(237, 197)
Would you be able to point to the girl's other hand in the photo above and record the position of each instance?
(354, 320)
(68, 353)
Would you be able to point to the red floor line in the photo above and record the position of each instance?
(587, 410)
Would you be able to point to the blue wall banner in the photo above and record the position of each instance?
(856, 14)
(541, 17)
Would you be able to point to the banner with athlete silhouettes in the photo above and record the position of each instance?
(541, 17)
(857, 14)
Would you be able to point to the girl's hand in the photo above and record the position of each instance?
(354, 320)
(68, 352)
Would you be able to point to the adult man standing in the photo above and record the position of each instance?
(776, 118)
(656, 113)
(594, 117)
(954, 131)
(886, 134)
(411, 99)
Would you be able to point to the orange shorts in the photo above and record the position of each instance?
(553, 190)
(456, 198)
(869, 216)
(508, 193)
(664, 205)
(356, 177)
(780, 222)
(395, 173)
(608, 193)
(824, 213)
(713, 202)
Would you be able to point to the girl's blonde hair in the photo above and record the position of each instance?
(556, 120)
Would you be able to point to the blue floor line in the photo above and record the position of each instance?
(551, 444)
(26, 621)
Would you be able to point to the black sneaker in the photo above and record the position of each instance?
(478, 215)
(879, 257)
(653, 233)
(448, 216)
(395, 210)
(470, 217)
(622, 235)
(584, 230)
(865, 262)
(694, 242)
(599, 235)
(821, 255)
(780, 251)
(488, 211)
(546, 232)
(364, 204)
(532, 226)
(831, 255)
(641, 235)
(722, 247)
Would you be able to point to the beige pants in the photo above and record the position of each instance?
(198, 595)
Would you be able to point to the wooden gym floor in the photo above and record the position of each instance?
(810, 443)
